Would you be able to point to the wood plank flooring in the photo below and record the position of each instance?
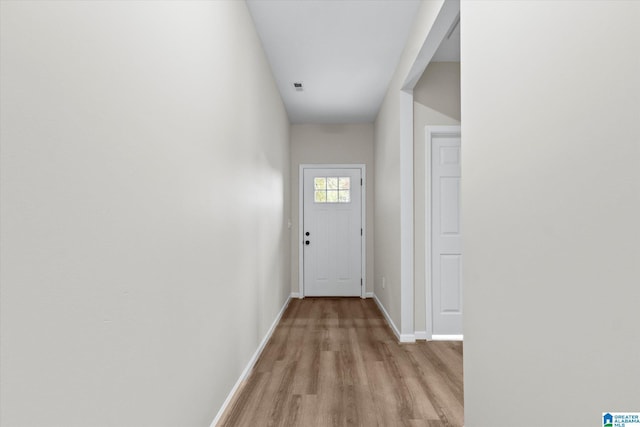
(335, 362)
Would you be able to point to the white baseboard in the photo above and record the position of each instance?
(447, 338)
(421, 335)
(387, 317)
(252, 362)
(407, 338)
(297, 295)
(403, 338)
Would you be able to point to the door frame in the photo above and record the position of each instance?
(430, 132)
(363, 201)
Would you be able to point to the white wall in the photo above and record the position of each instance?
(439, 89)
(551, 202)
(436, 103)
(324, 143)
(145, 181)
(387, 170)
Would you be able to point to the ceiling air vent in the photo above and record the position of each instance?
(298, 86)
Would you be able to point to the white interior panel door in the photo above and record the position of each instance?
(446, 249)
(332, 232)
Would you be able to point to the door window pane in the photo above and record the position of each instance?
(332, 189)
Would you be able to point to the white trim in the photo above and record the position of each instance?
(429, 133)
(448, 16)
(387, 317)
(407, 338)
(301, 231)
(296, 295)
(403, 338)
(427, 233)
(363, 224)
(247, 370)
(363, 220)
(406, 214)
(421, 335)
(447, 338)
(368, 294)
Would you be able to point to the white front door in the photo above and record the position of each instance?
(446, 247)
(332, 232)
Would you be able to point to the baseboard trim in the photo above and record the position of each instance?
(387, 317)
(407, 338)
(250, 365)
(421, 335)
(403, 338)
(297, 295)
(447, 338)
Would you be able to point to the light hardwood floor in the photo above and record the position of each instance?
(335, 362)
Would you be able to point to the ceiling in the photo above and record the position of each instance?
(344, 52)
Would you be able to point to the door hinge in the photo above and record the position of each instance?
(360, 181)
(361, 231)
(361, 282)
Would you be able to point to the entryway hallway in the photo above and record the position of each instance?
(334, 361)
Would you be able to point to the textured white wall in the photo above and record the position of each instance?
(323, 143)
(387, 169)
(551, 202)
(436, 103)
(145, 182)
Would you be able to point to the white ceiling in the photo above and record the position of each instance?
(344, 52)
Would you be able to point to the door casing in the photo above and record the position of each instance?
(363, 201)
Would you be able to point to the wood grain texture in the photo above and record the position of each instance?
(335, 362)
